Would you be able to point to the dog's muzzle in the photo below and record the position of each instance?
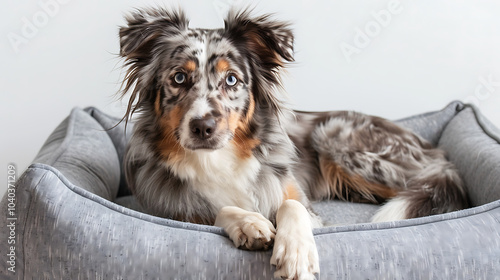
(203, 128)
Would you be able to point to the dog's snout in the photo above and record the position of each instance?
(203, 128)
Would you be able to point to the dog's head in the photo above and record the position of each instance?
(203, 86)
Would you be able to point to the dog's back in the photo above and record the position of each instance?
(360, 158)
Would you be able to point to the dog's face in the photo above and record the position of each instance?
(203, 86)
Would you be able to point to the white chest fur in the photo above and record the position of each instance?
(221, 177)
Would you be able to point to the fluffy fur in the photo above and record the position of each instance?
(213, 144)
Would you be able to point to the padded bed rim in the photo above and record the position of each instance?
(478, 210)
(481, 122)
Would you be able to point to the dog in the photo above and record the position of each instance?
(213, 142)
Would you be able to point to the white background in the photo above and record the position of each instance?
(427, 54)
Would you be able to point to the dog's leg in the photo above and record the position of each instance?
(248, 230)
(295, 254)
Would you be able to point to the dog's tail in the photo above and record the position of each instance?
(437, 189)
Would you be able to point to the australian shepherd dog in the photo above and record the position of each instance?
(214, 144)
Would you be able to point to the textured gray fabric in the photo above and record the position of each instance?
(430, 125)
(119, 134)
(68, 228)
(84, 153)
(337, 212)
(476, 155)
(130, 202)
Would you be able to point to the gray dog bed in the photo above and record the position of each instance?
(75, 217)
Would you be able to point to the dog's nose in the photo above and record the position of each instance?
(203, 128)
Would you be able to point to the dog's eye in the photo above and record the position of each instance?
(180, 77)
(231, 80)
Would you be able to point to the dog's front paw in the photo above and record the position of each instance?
(295, 256)
(248, 230)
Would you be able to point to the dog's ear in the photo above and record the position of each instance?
(141, 40)
(271, 41)
(269, 46)
(144, 28)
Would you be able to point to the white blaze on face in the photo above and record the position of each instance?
(200, 107)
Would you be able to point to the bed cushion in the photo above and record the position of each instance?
(70, 226)
(474, 148)
(80, 148)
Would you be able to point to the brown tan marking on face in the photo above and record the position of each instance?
(169, 147)
(363, 191)
(251, 110)
(235, 120)
(190, 66)
(244, 144)
(241, 129)
(222, 65)
(157, 103)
